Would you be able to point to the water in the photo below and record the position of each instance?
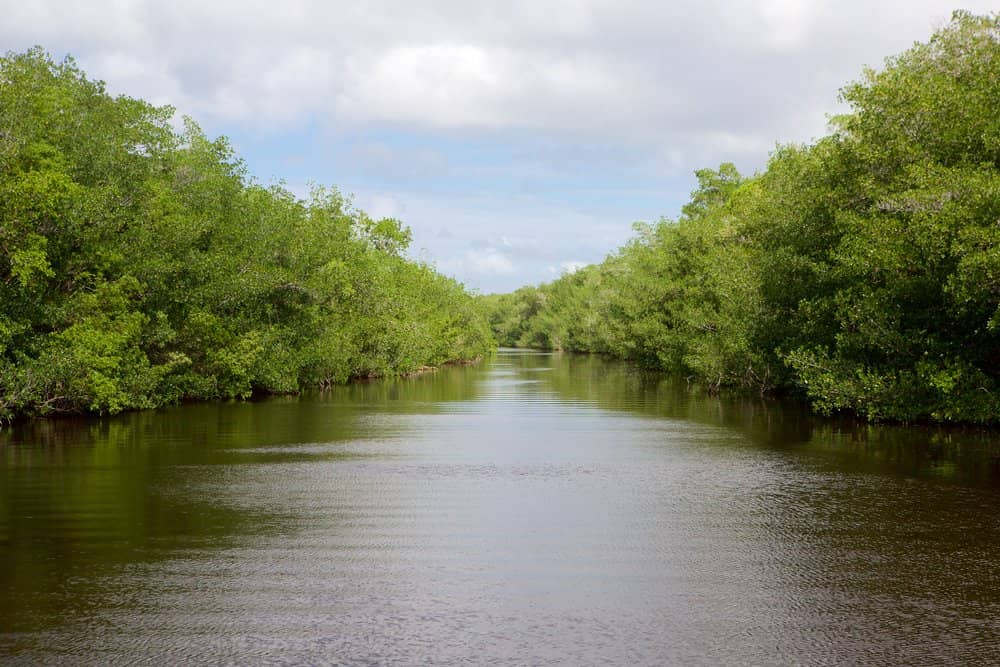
(534, 509)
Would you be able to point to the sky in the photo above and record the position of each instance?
(517, 139)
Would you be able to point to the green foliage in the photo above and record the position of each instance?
(141, 266)
(862, 271)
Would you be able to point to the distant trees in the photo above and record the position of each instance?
(862, 271)
(140, 265)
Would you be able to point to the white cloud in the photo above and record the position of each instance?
(623, 70)
(780, 25)
(470, 85)
(383, 206)
(448, 84)
(486, 262)
(566, 268)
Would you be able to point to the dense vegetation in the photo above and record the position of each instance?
(861, 271)
(140, 265)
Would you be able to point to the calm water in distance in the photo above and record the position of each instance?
(533, 509)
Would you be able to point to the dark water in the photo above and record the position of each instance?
(534, 509)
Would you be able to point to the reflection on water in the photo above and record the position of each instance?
(537, 508)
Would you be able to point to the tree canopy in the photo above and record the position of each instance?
(861, 271)
(142, 265)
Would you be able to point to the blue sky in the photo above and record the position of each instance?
(517, 139)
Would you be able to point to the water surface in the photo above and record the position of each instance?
(533, 509)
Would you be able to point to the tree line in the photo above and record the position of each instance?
(141, 265)
(861, 271)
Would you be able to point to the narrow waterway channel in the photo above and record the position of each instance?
(535, 509)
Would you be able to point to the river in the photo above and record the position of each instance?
(532, 509)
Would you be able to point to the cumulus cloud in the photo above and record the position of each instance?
(486, 262)
(718, 71)
(380, 205)
(566, 267)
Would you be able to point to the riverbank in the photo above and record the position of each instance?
(141, 265)
(858, 270)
